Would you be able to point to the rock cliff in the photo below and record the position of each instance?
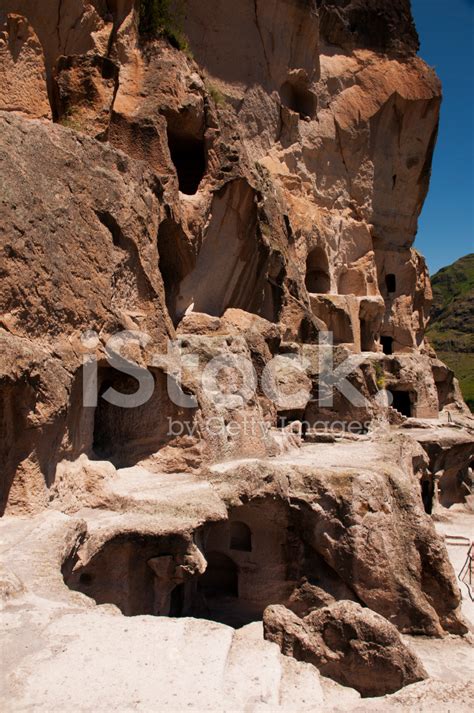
(194, 197)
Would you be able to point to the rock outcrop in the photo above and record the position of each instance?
(215, 390)
(352, 645)
(22, 74)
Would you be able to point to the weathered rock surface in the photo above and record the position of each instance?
(384, 26)
(22, 72)
(352, 645)
(239, 182)
(350, 519)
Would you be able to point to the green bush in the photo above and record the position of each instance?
(157, 18)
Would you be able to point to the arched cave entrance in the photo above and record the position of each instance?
(240, 537)
(317, 272)
(189, 158)
(187, 148)
(175, 262)
(233, 262)
(210, 575)
(126, 435)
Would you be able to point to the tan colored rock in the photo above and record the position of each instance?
(352, 645)
(86, 87)
(10, 586)
(199, 323)
(22, 71)
(63, 28)
(80, 483)
(280, 44)
(126, 279)
(249, 191)
(383, 565)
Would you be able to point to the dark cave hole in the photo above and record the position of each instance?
(221, 578)
(391, 283)
(402, 402)
(177, 601)
(240, 537)
(126, 434)
(387, 344)
(427, 492)
(189, 157)
(367, 337)
(317, 272)
(298, 98)
(86, 579)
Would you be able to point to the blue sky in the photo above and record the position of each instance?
(446, 228)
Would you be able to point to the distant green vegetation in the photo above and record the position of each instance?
(463, 366)
(451, 330)
(157, 17)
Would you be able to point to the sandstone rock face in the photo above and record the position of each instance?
(384, 26)
(22, 73)
(352, 645)
(191, 211)
(72, 27)
(350, 521)
(86, 87)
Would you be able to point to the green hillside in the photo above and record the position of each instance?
(452, 320)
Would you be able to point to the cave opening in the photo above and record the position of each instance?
(391, 283)
(317, 272)
(177, 599)
(402, 402)
(298, 98)
(337, 318)
(455, 485)
(221, 578)
(231, 267)
(175, 262)
(188, 154)
(287, 417)
(227, 571)
(387, 344)
(427, 493)
(125, 430)
(367, 336)
(240, 537)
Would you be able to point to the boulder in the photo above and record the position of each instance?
(348, 643)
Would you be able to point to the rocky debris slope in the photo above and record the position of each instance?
(352, 645)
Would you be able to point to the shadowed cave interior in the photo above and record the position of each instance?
(255, 558)
(126, 435)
